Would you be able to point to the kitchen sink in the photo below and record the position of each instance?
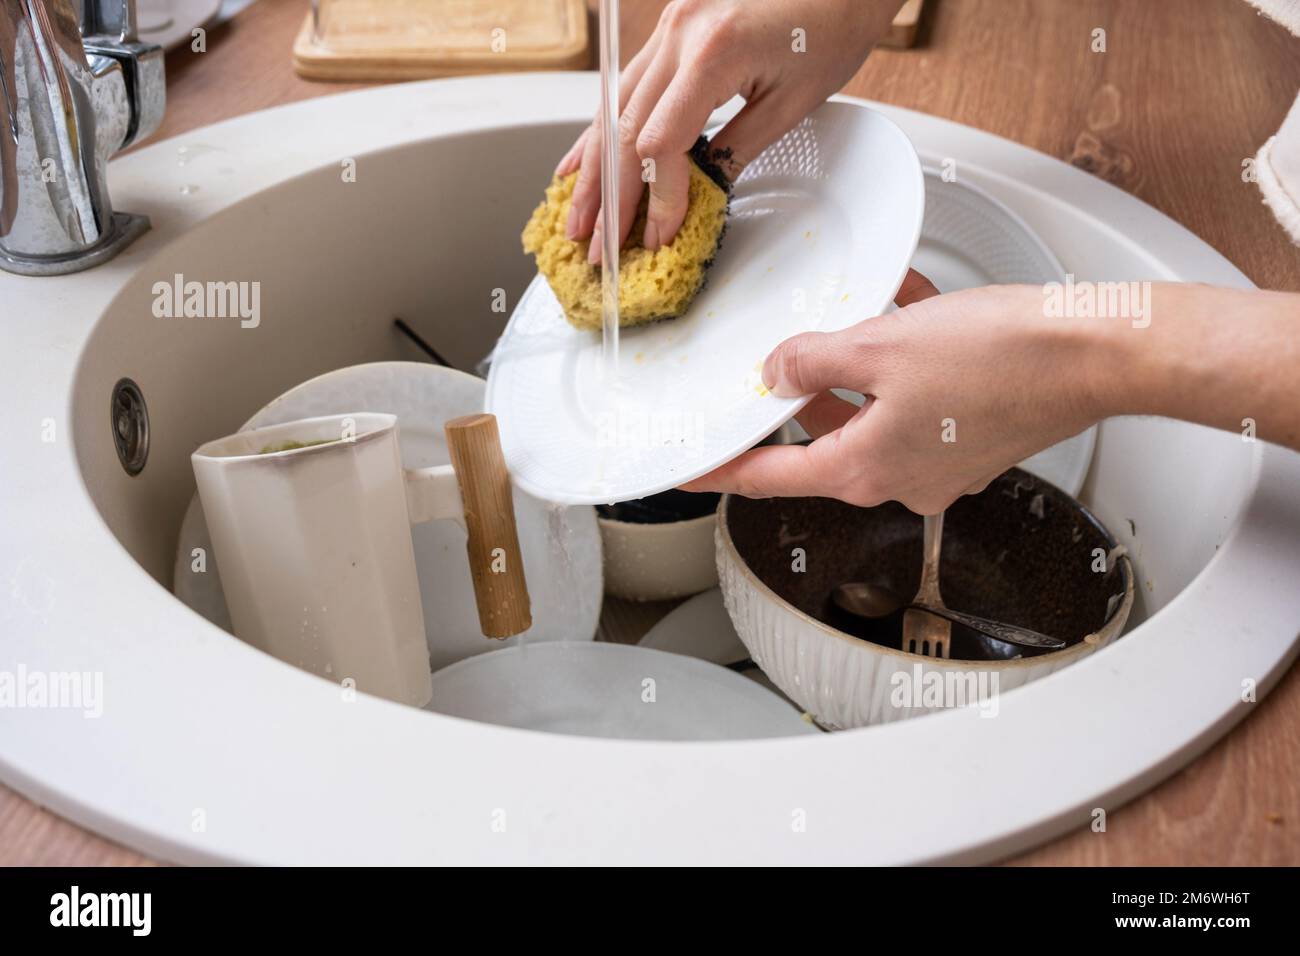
(351, 211)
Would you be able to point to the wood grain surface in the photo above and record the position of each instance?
(1186, 90)
(421, 39)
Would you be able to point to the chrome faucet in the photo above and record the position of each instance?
(76, 86)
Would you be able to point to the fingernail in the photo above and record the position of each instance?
(773, 380)
(571, 225)
(651, 240)
(593, 251)
(769, 372)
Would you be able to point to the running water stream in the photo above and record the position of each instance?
(609, 111)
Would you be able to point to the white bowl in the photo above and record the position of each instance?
(657, 562)
(611, 690)
(674, 559)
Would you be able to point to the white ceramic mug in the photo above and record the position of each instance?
(315, 546)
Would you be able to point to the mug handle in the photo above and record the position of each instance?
(475, 492)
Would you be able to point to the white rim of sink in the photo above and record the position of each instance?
(284, 774)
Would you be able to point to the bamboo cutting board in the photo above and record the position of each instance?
(384, 40)
(902, 32)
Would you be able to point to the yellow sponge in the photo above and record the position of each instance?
(651, 285)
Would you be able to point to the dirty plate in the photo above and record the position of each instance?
(612, 690)
(561, 546)
(698, 627)
(822, 229)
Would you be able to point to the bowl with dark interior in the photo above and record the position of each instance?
(1021, 552)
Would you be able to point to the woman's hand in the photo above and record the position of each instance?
(960, 387)
(783, 56)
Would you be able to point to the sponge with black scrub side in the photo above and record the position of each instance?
(651, 285)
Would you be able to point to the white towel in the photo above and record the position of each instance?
(1285, 12)
(1277, 165)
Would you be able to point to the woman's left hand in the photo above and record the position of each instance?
(959, 388)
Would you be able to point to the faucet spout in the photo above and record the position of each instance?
(76, 87)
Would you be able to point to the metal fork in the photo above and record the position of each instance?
(924, 633)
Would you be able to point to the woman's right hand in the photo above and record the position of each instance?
(783, 56)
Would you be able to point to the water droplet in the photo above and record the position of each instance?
(187, 154)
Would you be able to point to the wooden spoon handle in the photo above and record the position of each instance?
(495, 562)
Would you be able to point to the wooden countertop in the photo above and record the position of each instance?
(1186, 90)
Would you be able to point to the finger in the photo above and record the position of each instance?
(826, 413)
(670, 191)
(584, 207)
(915, 287)
(979, 486)
(584, 210)
(681, 112)
(670, 132)
(630, 79)
(630, 186)
(760, 124)
(574, 156)
(771, 471)
(819, 361)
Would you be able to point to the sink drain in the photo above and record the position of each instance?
(129, 419)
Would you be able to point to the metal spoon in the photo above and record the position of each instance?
(875, 601)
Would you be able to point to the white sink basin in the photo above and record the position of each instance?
(210, 750)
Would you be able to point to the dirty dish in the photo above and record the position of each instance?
(312, 518)
(698, 627)
(661, 547)
(1021, 551)
(560, 545)
(926, 634)
(612, 690)
(874, 601)
(651, 560)
(822, 229)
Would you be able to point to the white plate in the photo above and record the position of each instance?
(612, 690)
(699, 627)
(171, 23)
(822, 229)
(970, 239)
(561, 546)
